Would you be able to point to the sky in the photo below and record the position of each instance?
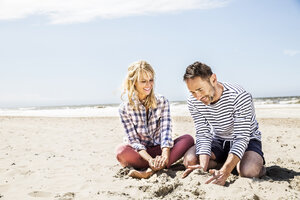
(73, 52)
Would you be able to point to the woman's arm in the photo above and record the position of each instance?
(165, 125)
(130, 130)
(166, 155)
(145, 155)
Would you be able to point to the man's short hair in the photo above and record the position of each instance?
(197, 69)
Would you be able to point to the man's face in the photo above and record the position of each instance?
(202, 90)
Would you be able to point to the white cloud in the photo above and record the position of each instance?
(74, 11)
(291, 52)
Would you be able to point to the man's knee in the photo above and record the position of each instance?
(190, 157)
(251, 165)
(250, 171)
(190, 160)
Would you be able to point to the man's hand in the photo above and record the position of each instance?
(219, 177)
(190, 169)
(204, 161)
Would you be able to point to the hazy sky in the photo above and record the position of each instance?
(57, 52)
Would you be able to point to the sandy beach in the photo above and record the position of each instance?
(65, 158)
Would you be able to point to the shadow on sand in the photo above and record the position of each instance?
(277, 173)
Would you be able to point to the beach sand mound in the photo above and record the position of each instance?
(168, 184)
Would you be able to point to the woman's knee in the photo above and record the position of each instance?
(121, 151)
(188, 140)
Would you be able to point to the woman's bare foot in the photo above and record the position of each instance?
(140, 174)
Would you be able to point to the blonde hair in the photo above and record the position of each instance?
(133, 75)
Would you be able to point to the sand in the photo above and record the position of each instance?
(74, 158)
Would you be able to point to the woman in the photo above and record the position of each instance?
(147, 122)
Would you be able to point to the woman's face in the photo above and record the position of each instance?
(144, 85)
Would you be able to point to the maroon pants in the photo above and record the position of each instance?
(127, 156)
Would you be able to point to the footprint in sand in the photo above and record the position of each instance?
(39, 194)
(66, 196)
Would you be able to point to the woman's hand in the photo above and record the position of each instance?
(158, 163)
(152, 164)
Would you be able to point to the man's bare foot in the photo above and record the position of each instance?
(186, 173)
(262, 172)
(140, 174)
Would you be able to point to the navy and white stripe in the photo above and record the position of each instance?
(231, 118)
(141, 133)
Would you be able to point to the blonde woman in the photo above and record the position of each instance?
(146, 119)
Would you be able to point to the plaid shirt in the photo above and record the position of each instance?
(142, 133)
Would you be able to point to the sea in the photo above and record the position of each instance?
(178, 108)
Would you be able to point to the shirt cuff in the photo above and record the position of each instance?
(203, 151)
(138, 146)
(239, 150)
(168, 144)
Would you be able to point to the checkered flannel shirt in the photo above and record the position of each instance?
(141, 133)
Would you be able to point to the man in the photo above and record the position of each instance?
(226, 127)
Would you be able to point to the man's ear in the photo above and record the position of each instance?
(213, 79)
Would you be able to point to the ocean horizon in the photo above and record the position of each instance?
(178, 108)
(257, 101)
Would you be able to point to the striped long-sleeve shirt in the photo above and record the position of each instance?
(140, 132)
(231, 118)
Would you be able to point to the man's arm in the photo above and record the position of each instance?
(243, 113)
(203, 135)
(204, 161)
(230, 163)
(203, 139)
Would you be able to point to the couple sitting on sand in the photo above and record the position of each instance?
(224, 117)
